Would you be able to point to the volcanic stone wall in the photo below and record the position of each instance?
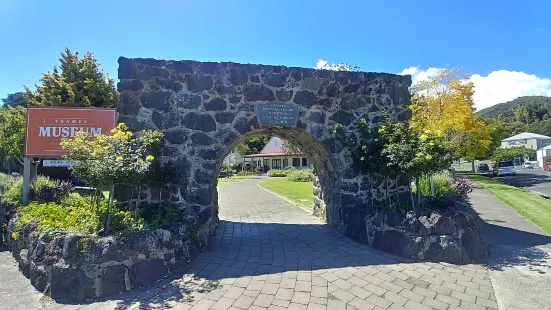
(205, 108)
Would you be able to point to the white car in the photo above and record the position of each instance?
(527, 166)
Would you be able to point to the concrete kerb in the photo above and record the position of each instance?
(288, 200)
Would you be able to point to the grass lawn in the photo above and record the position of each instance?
(222, 181)
(301, 193)
(527, 204)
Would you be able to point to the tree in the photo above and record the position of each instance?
(510, 153)
(443, 104)
(118, 158)
(394, 149)
(79, 82)
(14, 100)
(12, 132)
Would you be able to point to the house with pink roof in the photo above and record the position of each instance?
(274, 155)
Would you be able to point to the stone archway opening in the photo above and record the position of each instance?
(325, 175)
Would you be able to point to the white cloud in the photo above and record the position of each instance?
(323, 64)
(496, 87)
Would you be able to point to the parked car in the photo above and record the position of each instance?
(482, 168)
(527, 165)
(547, 166)
(504, 168)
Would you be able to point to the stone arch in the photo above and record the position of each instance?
(204, 107)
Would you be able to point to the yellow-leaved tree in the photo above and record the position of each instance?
(443, 104)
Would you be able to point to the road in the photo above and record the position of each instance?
(536, 179)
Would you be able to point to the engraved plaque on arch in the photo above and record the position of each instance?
(277, 114)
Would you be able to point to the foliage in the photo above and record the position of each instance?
(13, 122)
(510, 153)
(3, 181)
(393, 149)
(75, 214)
(13, 190)
(443, 185)
(38, 183)
(54, 193)
(510, 110)
(118, 158)
(161, 214)
(277, 173)
(251, 145)
(304, 175)
(79, 82)
(14, 100)
(443, 104)
(462, 187)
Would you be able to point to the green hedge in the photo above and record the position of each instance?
(305, 175)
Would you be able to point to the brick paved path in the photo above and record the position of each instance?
(269, 254)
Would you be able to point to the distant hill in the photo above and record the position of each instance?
(506, 109)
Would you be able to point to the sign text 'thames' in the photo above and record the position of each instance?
(46, 126)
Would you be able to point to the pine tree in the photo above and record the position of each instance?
(78, 82)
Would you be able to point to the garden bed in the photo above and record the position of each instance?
(77, 267)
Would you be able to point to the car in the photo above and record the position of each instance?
(527, 165)
(482, 168)
(547, 166)
(503, 168)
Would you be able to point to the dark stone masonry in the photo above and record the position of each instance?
(205, 108)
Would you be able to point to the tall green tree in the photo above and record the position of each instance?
(12, 132)
(77, 82)
(14, 100)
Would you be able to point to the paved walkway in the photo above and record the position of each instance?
(520, 259)
(269, 254)
(15, 290)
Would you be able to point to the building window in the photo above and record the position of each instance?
(296, 162)
(285, 162)
(266, 162)
(276, 163)
(304, 161)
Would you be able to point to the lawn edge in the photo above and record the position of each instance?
(284, 198)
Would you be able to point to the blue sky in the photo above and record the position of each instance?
(505, 43)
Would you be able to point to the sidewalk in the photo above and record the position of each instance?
(520, 254)
(17, 292)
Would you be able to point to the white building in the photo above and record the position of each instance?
(528, 140)
(541, 153)
(274, 156)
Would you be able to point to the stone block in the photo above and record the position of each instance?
(146, 272)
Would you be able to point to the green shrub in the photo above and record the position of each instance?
(277, 173)
(244, 173)
(305, 175)
(39, 183)
(3, 180)
(14, 190)
(290, 168)
(54, 193)
(56, 218)
(156, 216)
(443, 185)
